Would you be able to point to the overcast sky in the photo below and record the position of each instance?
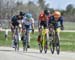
(56, 4)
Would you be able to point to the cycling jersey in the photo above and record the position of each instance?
(56, 24)
(14, 21)
(27, 23)
(42, 17)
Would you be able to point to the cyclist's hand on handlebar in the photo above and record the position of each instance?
(62, 28)
(32, 30)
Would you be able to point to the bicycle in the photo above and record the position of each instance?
(54, 41)
(16, 38)
(25, 40)
(43, 42)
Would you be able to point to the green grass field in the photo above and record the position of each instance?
(67, 41)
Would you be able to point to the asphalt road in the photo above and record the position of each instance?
(8, 53)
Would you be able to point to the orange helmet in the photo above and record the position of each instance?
(56, 14)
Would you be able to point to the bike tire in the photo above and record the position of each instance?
(52, 47)
(25, 44)
(40, 47)
(45, 45)
(57, 45)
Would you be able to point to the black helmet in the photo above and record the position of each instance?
(21, 13)
(46, 11)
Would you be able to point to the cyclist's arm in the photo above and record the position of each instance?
(10, 22)
(32, 23)
(50, 20)
(24, 20)
(61, 22)
(39, 20)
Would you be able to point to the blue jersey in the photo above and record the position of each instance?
(55, 23)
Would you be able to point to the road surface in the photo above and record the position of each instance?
(7, 53)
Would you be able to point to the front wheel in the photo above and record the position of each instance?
(57, 44)
(25, 44)
(16, 43)
(40, 47)
(45, 48)
(52, 47)
(58, 47)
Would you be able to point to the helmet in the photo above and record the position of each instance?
(28, 16)
(21, 13)
(46, 11)
(56, 14)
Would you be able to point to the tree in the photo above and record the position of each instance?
(69, 9)
(34, 9)
(41, 3)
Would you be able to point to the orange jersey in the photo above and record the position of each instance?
(43, 17)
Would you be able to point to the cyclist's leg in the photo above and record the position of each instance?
(58, 30)
(20, 31)
(28, 39)
(46, 35)
(40, 30)
(23, 31)
(12, 31)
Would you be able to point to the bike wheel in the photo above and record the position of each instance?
(25, 44)
(15, 46)
(45, 45)
(57, 45)
(18, 45)
(52, 47)
(58, 48)
(15, 43)
(45, 48)
(40, 47)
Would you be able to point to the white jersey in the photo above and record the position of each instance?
(27, 22)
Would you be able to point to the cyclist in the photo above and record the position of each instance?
(56, 20)
(15, 22)
(43, 21)
(27, 21)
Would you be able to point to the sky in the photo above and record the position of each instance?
(56, 4)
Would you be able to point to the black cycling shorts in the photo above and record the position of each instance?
(43, 23)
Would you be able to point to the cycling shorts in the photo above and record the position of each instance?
(43, 23)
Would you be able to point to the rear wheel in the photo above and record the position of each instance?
(45, 49)
(23, 46)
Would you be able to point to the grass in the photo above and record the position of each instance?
(69, 25)
(67, 41)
